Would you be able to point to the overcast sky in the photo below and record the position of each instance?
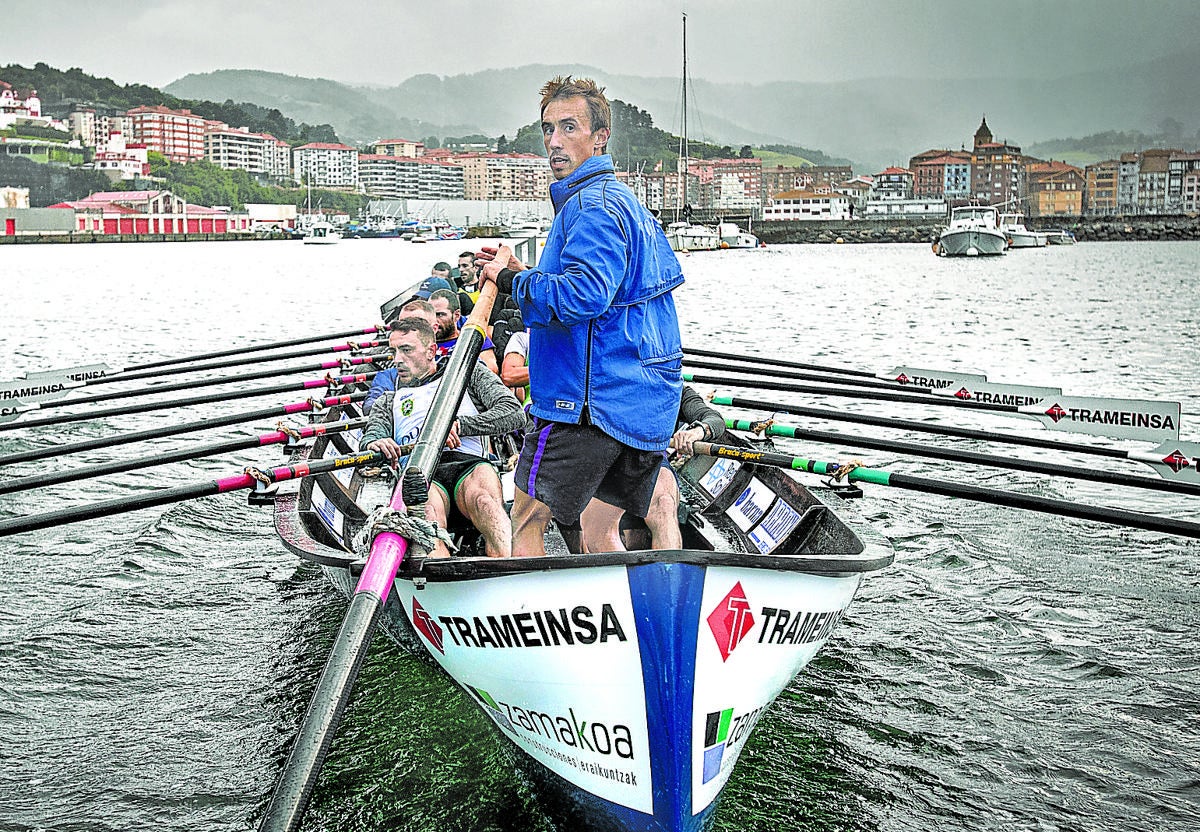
(385, 42)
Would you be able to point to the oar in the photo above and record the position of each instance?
(850, 381)
(971, 457)
(46, 389)
(100, 370)
(1064, 508)
(912, 375)
(299, 776)
(10, 413)
(1172, 460)
(184, 427)
(179, 455)
(164, 496)
(1142, 420)
(144, 407)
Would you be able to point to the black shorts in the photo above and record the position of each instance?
(565, 465)
(452, 469)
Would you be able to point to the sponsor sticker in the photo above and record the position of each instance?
(779, 523)
(717, 478)
(751, 504)
(426, 626)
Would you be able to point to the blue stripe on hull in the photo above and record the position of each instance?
(668, 653)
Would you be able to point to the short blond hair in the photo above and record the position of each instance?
(564, 86)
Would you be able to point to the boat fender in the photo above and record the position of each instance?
(936, 247)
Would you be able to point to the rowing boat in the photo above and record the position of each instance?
(627, 683)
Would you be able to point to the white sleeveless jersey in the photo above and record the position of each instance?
(410, 408)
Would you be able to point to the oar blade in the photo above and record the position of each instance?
(990, 392)
(32, 391)
(84, 372)
(1139, 419)
(1173, 460)
(906, 376)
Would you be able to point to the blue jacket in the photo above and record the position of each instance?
(603, 334)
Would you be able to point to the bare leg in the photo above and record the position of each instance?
(663, 516)
(481, 499)
(435, 512)
(602, 527)
(530, 518)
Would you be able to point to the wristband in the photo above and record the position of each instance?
(704, 429)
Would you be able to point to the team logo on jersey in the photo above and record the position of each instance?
(406, 407)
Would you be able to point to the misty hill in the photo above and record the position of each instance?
(876, 122)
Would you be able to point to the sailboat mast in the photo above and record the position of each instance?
(683, 156)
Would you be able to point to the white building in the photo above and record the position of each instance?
(326, 165)
(236, 148)
(901, 209)
(400, 177)
(807, 205)
(93, 129)
(492, 176)
(14, 106)
(120, 159)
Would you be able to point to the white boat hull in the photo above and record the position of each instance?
(1027, 239)
(971, 242)
(694, 239)
(630, 690)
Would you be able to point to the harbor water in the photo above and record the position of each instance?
(1011, 670)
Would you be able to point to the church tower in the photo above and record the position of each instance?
(983, 135)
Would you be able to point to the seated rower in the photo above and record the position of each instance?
(449, 315)
(465, 485)
(697, 422)
(385, 380)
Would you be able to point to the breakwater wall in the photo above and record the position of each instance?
(89, 237)
(925, 231)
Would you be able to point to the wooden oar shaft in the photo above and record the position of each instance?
(292, 342)
(921, 427)
(1046, 505)
(208, 398)
(974, 458)
(175, 430)
(194, 452)
(165, 496)
(758, 359)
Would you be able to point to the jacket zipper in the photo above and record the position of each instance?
(585, 416)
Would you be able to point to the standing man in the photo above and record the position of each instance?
(468, 276)
(604, 343)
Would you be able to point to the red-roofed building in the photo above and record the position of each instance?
(893, 183)
(1055, 189)
(946, 175)
(399, 147)
(120, 159)
(15, 104)
(401, 177)
(176, 134)
(236, 148)
(997, 170)
(495, 176)
(151, 212)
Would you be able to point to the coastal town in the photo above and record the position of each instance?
(391, 171)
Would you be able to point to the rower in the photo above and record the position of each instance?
(385, 380)
(697, 422)
(449, 314)
(466, 485)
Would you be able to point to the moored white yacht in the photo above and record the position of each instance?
(972, 232)
(321, 233)
(733, 237)
(1013, 226)
(684, 236)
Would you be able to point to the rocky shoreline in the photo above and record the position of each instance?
(924, 231)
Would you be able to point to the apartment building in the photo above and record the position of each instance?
(893, 183)
(1055, 189)
(997, 170)
(390, 176)
(728, 184)
(1179, 166)
(808, 206)
(236, 148)
(93, 127)
(326, 165)
(176, 134)
(1100, 187)
(947, 176)
(405, 148)
(490, 176)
